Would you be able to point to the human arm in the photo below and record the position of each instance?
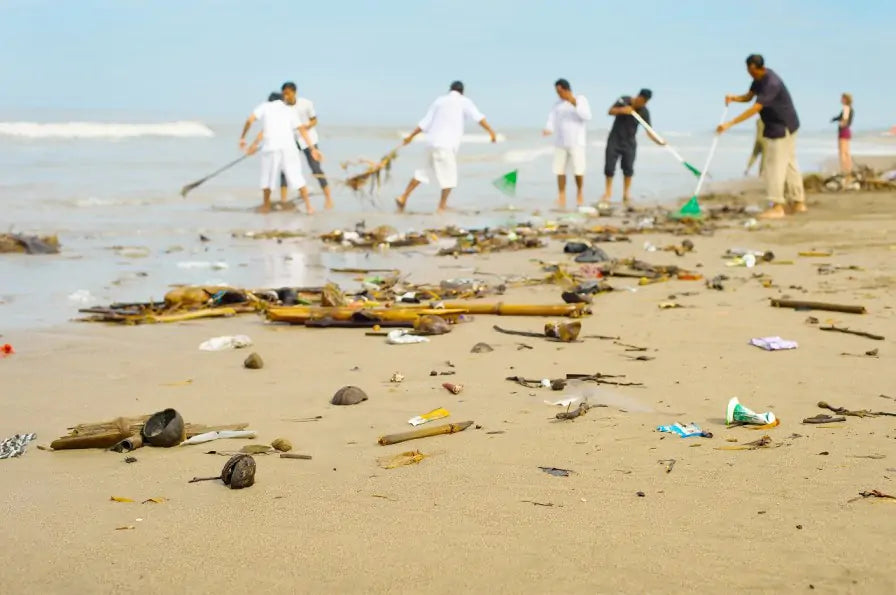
(748, 96)
(845, 116)
(488, 129)
(303, 132)
(312, 122)
(410, 137)
(749, 113)
(255, 144)
(583, 109)
(246, 128)
(620, 109)
(549, 126)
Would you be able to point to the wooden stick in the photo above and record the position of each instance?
(851, 332)
(582, 409)
(801, 305)
(502, 309)
(859, 413)
(425, 433)
(96, 440)
(290, 455)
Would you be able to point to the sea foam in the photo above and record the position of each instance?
(94, 130)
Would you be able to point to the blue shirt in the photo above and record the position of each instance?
(778, 113)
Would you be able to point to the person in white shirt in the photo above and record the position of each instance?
(304, 109)
(443, 125)
(279, 152)
(567, 122)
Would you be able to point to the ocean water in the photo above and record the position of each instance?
(111, 191)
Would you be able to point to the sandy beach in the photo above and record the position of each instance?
(478, 512)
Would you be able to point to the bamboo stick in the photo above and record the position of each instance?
(193, 315)
(502, 309)
(425, 433)
(799, 304)
(299, 314)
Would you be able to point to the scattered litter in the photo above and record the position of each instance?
(238, 472)
(154, 501)
(773, 343)
(82, 296)
(419, 420)
(801, 305)
(130, 459)
(873, 494)
(582, 409)
(424, 433)
(125, 528)
(282, 445)
(411, 457)
(291, 455)
(398, 378)
(453, 388)
(640, 494)
(568, 401)
(348, 395)
(556, 471)
(120, 499)
(256, 449)
(690, 430)
(6, 350)
(402, 336)
(203, 264)
(764, 442)
(16, 445)
(209, 436)
(737, 413)
(481, 348)
(669, 463)
(851, 332)
(254, 362)
(225, 342)
(860, 413)
(548, 504)
(822, 418)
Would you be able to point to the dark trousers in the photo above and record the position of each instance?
(316, 170)
(622, 152)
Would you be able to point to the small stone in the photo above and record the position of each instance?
(254, 362)
(282, 444)
(130, 459)
(799, 526)
(641, 494)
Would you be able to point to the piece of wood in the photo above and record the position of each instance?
(96, 440)
(851, 332)
(858, 413)
(406, 313)
(804, 305)
(582, 409)
(502, 309)
(425, 433)
(291, 455)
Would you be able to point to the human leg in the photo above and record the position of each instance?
(610, 157)
(292, 171)
(793, 178)
(444, 165)
(578, 168)
(775, 176)
(627, 162)
(559, 169)
(318, 172)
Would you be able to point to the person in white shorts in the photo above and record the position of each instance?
(279, 152)
(567, 122)
(304, 109)
(443, 126)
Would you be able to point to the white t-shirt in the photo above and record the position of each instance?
(568, 121)
(278, 124)
(304, 111)
(443, 124)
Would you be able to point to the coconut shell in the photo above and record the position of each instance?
(165, 428)
(282, 444)
(431, 325)
(254, 362)
(239, 472)
(348, 395)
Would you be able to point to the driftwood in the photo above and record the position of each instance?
(290, 455)
(425, 433)
(851, 332)
(502, 309)
(582, 409)
(802, 305)
(109, 433)
(601, 379)
(858, 413)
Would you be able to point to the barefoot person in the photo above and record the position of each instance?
(279, 153)
(304, 109)
(621, 143)
(775, 107)
(844, 134)
(443, 125)
(567, 122)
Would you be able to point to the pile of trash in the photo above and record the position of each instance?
(25, 244)
(862, 178)
(380, 236)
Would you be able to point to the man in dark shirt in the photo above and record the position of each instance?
(783, 180)
(621, 143)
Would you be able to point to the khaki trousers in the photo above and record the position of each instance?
(783, 180)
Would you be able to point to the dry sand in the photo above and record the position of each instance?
(772, 520)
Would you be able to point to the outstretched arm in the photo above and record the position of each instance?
(748, 96)
(410, 137)
(752, 111)
(303, 131)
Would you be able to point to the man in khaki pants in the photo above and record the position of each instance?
(783, 180)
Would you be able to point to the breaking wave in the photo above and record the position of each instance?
(103, 130)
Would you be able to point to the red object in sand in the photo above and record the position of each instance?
(6, 350)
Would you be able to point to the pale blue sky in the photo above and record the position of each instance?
(383, 62)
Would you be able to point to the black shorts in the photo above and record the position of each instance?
(316, 170)
(625, 153)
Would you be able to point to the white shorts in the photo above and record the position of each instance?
(562, 156)
(286, 161)
(442, 163)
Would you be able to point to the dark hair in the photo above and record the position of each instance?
(645, 93)
(275, 96)
(288, 85)
(457, 86)
(756, 60)
(563, 84)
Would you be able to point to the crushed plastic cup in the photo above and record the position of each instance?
(401, 336)
(648, 247)
(419, 420)
(737, 413)
(690, 430)
(226, 342)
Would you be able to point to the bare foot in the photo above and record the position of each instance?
(309, 209)
(775, 212)
(798, 207)
(264, 209)
(400, 204)
(442, 208)
(328, 204)
(580, 200)
(560, 205)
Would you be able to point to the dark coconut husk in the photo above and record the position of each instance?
(348, 395)
(165, 428)
(239, 472)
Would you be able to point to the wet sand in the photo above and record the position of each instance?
(466, 518)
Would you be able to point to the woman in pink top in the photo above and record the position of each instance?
(844, 133)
